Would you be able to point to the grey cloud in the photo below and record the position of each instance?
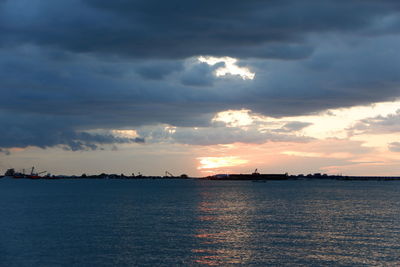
(181, 29)
(231, 135)
(200, 74)
(86, 141)
(394, 146)
(216, 135)
(379, 124)
(339, 74)
(47, 131)
(67, 67)
(83, 92)
(5, 151)
(155, 70)
(293, 126)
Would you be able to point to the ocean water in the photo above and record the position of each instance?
(199, 223)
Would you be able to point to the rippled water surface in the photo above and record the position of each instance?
(199, 223)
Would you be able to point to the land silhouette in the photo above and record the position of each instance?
(255, 176)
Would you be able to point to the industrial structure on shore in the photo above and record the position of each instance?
(255, 176)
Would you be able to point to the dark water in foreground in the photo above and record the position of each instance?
(199, 223)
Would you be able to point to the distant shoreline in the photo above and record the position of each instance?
(220, 177)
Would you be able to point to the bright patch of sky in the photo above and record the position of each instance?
(335, 122)
(333, 150)
(125, 133)
(317, 155)
(230, 68)
(235, 118)
(220, 162)
(331, 123)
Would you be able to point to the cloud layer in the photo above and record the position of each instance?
(69, 67)
(176, 29)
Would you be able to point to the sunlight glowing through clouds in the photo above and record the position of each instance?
(332, 123)
(234, 118)
(334, 145)
(220, 162)
(125, 133)
(229, 68)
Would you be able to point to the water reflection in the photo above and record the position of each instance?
(199, 223)
(225, 231)
(296, 224)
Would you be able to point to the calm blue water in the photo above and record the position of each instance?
(199, 223)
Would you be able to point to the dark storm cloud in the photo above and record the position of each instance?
(200, 74)
(338, 74)
(154, 70)
(68, 67)
(46, 131)
(180, 29)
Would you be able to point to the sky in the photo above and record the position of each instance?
(200, 87)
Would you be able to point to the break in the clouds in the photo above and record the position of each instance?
(71, 67)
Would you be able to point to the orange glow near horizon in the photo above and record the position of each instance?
(352, 141)
(331, 156)
(220, 162)
(17, 149)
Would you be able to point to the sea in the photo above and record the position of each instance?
(199, 223)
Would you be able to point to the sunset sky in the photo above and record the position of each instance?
(200, 87)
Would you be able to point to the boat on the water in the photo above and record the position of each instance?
(19, 175)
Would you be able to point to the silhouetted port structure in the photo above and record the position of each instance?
(255, 176)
